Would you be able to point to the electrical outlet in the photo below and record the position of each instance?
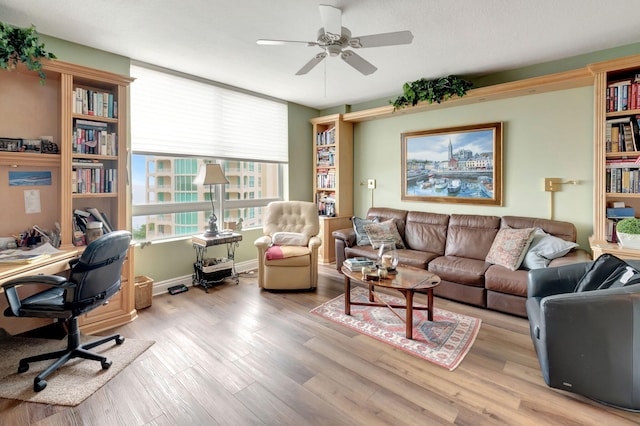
(371, 183)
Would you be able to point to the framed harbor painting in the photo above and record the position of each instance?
(453, 165)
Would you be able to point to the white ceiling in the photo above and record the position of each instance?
(216, 39)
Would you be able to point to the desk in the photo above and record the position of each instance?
(200, 244)
(119, 310)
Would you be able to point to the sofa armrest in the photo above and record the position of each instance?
(574, 256)
(555, 280)
(347, 235)
(263, 242)
(314, 242)
(343, 238)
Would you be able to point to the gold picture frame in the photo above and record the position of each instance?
(453, 165)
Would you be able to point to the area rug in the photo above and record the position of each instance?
(444, 341)
(72, 383)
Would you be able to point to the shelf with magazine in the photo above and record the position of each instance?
(617, 145)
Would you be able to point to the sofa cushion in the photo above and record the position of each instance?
(503, 280)
(608, 271)
(544, 248)
(383, 231)
(426, 231)
(471, 236)
(509, 247)
(362, 239)
(459, 270)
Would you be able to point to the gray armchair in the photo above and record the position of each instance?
(587, 342)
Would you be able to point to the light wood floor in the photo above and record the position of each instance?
(242, 356)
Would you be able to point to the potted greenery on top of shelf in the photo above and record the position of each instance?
(628, 231)
(437, 90)
(22, 45)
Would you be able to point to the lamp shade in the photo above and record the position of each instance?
(210, 174)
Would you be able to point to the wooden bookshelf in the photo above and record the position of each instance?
(616, 176)
(34, 111)
(332, 178)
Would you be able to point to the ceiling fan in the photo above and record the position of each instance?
(334, 40)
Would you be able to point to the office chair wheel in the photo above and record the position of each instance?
(119, 340)
(106, 364)
(38, 385)
(22, 368)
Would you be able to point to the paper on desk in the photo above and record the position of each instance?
(28, 256)
(45, 248)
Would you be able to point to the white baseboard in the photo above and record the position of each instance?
(163, 286)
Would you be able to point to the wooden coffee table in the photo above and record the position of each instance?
(407, 280)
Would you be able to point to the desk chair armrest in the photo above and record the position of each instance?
(12, 294)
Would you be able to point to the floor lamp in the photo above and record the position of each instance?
(211, 174)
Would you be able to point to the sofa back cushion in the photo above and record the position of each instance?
(384, 213)
(471, 236)
(426, 231)
(565, 230)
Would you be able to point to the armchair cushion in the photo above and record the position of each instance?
(283, 252)
(608, 271)
(290, 239)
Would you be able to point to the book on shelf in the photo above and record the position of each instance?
(100, 217)
(620, 212)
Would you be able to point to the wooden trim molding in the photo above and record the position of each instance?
(559, 81)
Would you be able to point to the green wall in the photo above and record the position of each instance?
(544, 135)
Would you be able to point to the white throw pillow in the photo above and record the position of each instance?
(544, 248)
(289, 239)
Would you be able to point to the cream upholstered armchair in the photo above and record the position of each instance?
(288, 251)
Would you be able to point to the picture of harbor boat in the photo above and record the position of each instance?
(453, 165)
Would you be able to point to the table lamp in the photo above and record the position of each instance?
(211, 174)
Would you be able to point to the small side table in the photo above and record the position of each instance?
(200, 244)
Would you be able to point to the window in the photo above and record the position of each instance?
(245, 134)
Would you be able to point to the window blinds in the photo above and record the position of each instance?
(176, 115)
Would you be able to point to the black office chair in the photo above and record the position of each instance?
(93, 279)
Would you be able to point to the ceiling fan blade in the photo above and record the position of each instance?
(331, 20)
(268, 42)
(384, 39)
(312, 63)
(358, 62)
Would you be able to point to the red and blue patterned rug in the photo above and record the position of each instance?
(444, 341)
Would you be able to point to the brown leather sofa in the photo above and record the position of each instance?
(455, 247)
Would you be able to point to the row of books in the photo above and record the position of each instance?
(93, 137)
(355, 264)
(622, 180)
(328, 137)
(623, 134)
(326, 156)
(623, 95)
(326, 178)
(93, 180)
(326, 202)
(90, 214)
(93, 102)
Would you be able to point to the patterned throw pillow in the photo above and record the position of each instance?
(358, 226)
(386, 230)
(509, 247)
